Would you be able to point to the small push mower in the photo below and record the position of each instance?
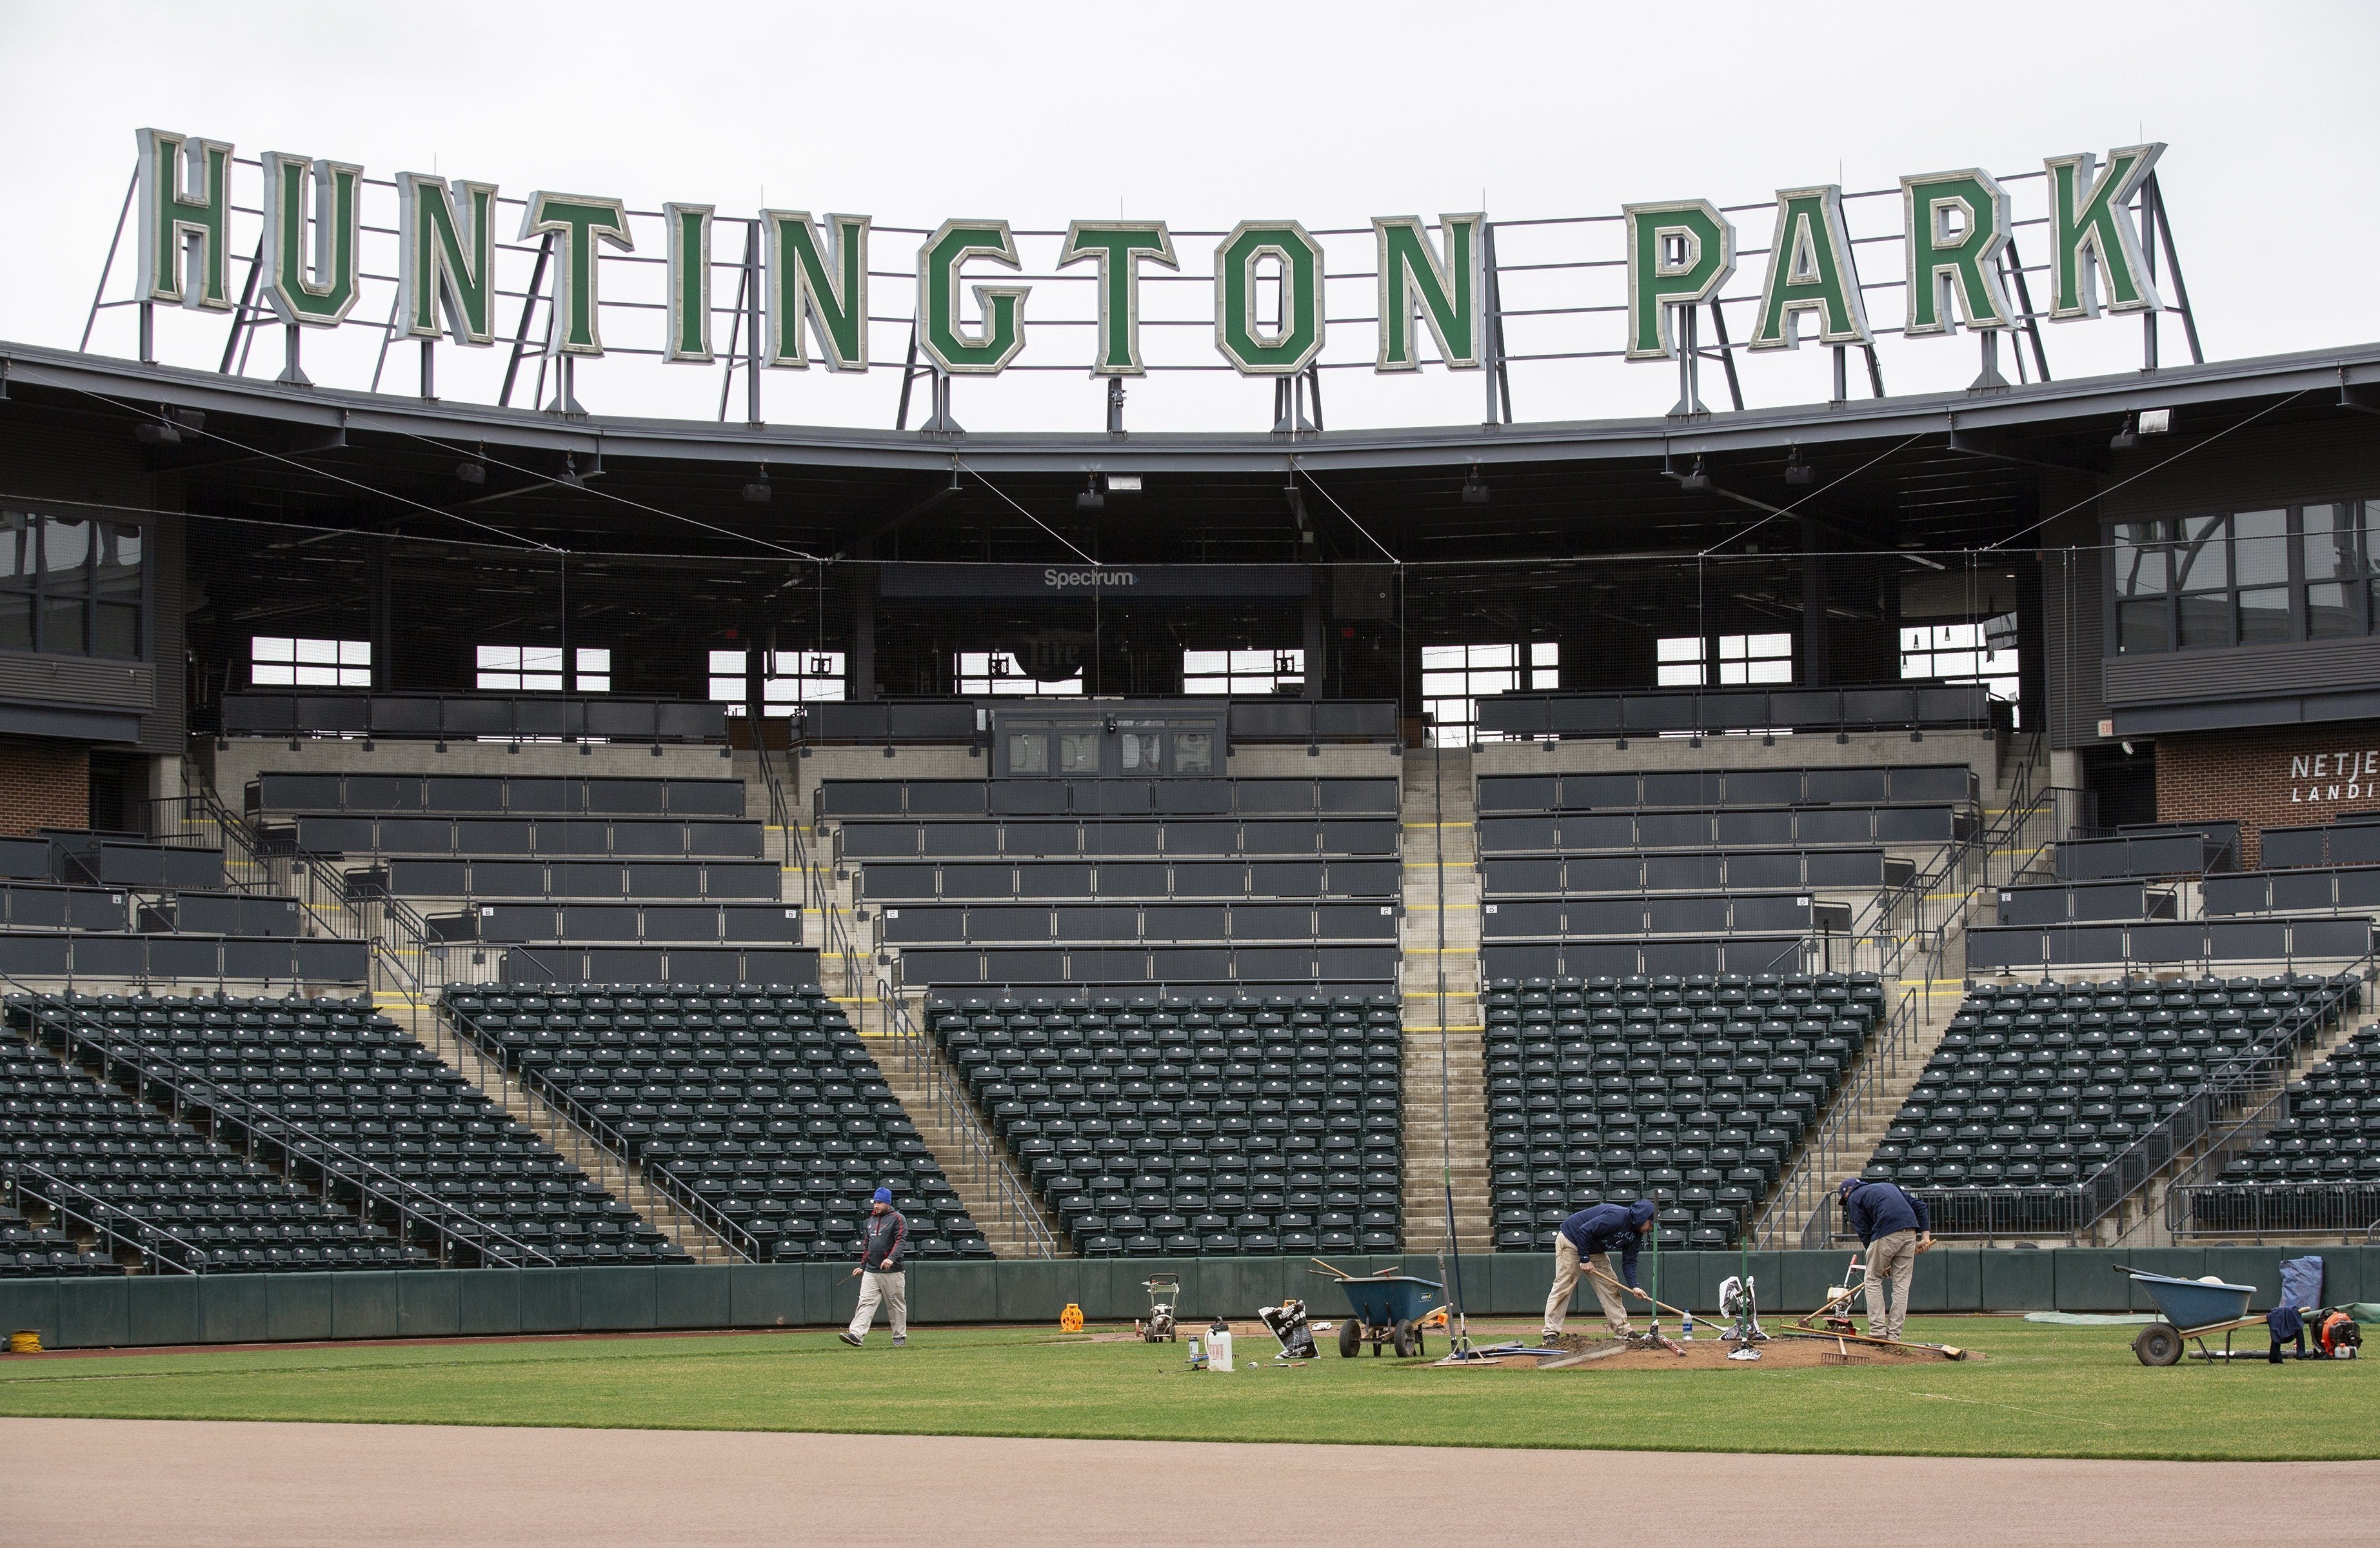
(1158, 1327)
(1387, 1309)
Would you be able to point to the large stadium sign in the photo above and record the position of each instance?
(812, 274)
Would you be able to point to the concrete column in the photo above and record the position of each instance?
(1814, 608)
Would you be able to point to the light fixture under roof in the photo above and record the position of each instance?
(756, 493)
(1696, 479)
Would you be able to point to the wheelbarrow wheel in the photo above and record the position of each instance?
(1351, 1338)
(1402, 1336)
(2159, 1344)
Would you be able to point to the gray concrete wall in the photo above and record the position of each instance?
(1978, 749)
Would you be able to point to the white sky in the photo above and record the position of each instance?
(1206, 115)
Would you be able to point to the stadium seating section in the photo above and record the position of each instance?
(107, 905)
(2036, 1088)
(1690, 1092)
(346, 1104)
(1177, 1125)
(1191, 883)
(760, 1109)
(2318, 1168)
(572, 879)
(1696, 873)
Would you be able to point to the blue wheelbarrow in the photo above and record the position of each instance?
(1387, 1309)
(2195, 1309)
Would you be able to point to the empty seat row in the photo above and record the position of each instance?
(2286, 892)
(2345, 842)
(35, 905)
(113, 860)
(2184, 941)
(522, 795)
(2142, 854)
(306, 959)
(1139, 964)
(724, 838)
(922, 880)
(1678, 956)
(841, 799)
(1655, 914)
(1634, 791)
(861, 839)
(1751, 827)
(476, 878)
(1213, 1126)
(2075, 902)
(659, 923)
(791, 967)
(913, 923)
(1689, 871)
(763, 1111)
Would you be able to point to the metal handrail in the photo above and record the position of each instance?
(989, 1168)
(603, 1137)
(2219, 1152)
(88, 1200)
(257, 1122)
(556, 1115)
(1895, 1039)
(835, 937)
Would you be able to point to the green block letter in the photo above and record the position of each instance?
(1446, 294)
(1955, 223)
(1254, 349)
(1678, 254)
(1118, 247)
(1810, 269)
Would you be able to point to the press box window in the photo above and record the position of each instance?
(788, 679)
(1456, 677)
(538, 669)
(999, 672)
(273, 661)
(1684, 661)
(1242, 672)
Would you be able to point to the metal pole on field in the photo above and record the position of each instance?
(1458, 1327)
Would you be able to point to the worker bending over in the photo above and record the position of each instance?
(1603, 1228)
(1892, 1225)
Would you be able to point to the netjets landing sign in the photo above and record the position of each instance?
(815, 271)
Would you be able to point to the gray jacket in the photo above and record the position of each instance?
(884, 1242)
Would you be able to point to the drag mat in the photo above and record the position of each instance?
(1709, 1354)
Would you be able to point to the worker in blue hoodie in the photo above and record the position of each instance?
(1892, 1223)
(1605, 1228)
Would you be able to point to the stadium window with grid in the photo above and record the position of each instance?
(999, 673)
(1456, 677)
(1684, 661)
(538, 669)
(1983, 653)
(273, 661)
(1242, 672)
(787, 679)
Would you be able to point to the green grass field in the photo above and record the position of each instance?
(2041, 1392)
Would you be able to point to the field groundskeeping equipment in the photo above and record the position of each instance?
(1654, 1338)
(1738, 1299)
(1839, 1324)
(2195, 1309)
(1388, 1309)
(1164, 1290)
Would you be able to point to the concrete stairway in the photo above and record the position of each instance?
(912, 1080)
(606, 1167)
(1443, 1114)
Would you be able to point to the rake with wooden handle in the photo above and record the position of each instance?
(1640, 1295)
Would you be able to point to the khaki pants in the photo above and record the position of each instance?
(892, 1290)
(1566, 1269)
(1890, 1260)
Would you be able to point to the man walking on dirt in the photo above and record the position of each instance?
(1892, 1223)
(1586, 1236)
(882, 1272)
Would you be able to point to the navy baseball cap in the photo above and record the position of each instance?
(883, 1195)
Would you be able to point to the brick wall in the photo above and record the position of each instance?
(43, 787)
(2284, 778)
